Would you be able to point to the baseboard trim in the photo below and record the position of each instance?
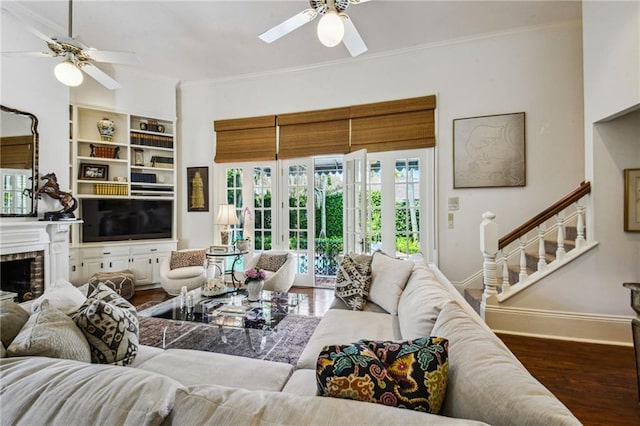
(591, 328)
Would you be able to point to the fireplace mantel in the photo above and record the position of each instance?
(52, 237)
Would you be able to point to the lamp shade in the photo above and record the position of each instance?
(227, 215)
(330, 29)
(68, 73)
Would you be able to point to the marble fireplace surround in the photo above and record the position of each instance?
(18, 236)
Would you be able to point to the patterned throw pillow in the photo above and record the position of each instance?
(182, 259)
(110, 324)
(123, 282)
(353, 281)
(51, 333)
(410, 374)
(271, 262)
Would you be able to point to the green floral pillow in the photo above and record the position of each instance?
(410, 374)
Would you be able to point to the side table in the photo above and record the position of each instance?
(221, 258)
(635, 325)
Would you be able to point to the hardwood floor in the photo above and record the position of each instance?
(596, 382)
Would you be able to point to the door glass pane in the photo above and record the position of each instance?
(262, 194)
(407, 203)
(234, 196)
(297, 195)
(374, 206)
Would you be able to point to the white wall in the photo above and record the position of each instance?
(28, 84)
(537, 71)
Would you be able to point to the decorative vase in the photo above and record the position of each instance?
(243, 245)
(254, 289)
(106, 129)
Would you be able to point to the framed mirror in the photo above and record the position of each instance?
(18, 162)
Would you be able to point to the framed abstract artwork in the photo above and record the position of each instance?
(198, 189)
(489, 151)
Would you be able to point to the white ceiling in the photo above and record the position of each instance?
(199, 40)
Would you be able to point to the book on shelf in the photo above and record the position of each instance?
(157, 141)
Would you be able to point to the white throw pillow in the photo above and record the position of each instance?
(389, 277)
(51, 333)
(62, 295)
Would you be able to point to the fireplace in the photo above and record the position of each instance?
(23, 273)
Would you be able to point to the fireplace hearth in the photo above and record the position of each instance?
(23, 273)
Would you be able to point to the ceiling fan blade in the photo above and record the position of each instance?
(28, 26)
(287, 26)
(100, 76)
(33, 54)
(358, 1)
(128, 58)
(352, 40)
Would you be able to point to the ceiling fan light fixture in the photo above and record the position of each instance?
(330, 29)
(68, 73)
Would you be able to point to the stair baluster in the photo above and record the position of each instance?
(522, 277)
(560, 225)
(580, 240)
(542, 252)
(506, 285)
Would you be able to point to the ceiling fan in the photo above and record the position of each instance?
(334, 25)
(77, 56)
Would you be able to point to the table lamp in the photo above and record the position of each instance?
(226, 216)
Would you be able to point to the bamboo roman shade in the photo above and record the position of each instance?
(310, 133)
(394, 125)
(245, 139)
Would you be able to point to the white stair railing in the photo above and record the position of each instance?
(521, 256)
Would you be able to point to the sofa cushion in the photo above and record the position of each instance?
(420, 303)
(221, 369)
(487, 382)
(388, 279)
(271, 262)
(212, 405)
(353, 281)
(184, 258)
(37, 390)
(343, 327)
(62, 295)
(186, 272)
(122, 282)
(302, 382)
(410, 374)
(110, 324)
(50, 332)
(12, 319)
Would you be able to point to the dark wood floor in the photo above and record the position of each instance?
(596, 382)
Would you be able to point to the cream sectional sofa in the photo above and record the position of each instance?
(487, 384)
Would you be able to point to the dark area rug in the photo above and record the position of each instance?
(285, 344)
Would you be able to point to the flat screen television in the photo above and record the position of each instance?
(121, 220)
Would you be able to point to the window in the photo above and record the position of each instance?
(14, 200)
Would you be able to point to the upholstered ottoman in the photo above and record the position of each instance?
(122, 282)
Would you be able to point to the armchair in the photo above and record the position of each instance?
(188, 271)
(280, 279)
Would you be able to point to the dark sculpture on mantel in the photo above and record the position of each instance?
(52, 189)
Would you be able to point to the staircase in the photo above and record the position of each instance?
(537, 248)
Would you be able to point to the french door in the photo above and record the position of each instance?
(297, 217)
(355, 202)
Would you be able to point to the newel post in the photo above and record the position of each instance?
(489, 249)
